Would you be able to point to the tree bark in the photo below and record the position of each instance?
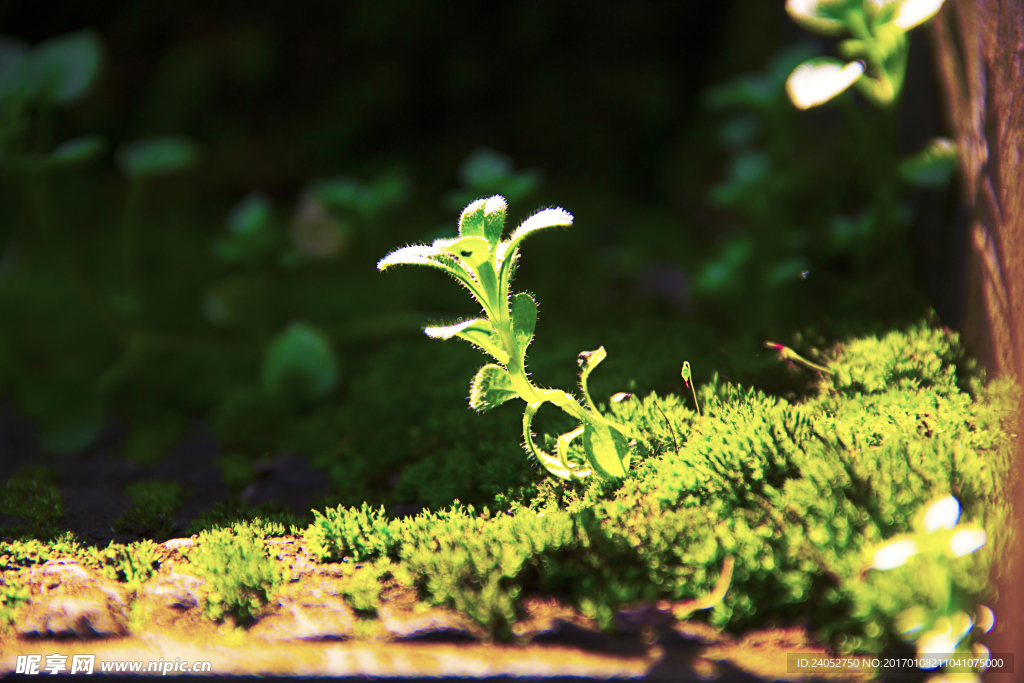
(979, 46)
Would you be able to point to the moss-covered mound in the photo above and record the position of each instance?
(800, 494)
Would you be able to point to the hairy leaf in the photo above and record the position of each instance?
(471, 222)
(477, 332)
(494, 219)
(491, 387)
(524, 320)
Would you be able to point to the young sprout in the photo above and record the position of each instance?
(484, 263)
(786, 353)
(688, 379)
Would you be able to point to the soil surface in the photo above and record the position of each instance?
(307, 628)
(92, 482)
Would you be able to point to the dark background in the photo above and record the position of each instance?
(606, 98)
(281, 92)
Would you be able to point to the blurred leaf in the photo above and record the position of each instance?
(483, 166)
(487, 172)
(70, 413)
(300, 364)
(933, 166)
(78, 150)
(724, 272)
(60, 69)
(150, 438)
(236, 470)
(315, 232)
(787, 270)
(339, 193)
(739, 131)
(12, 52)
(157, 156)
(387, 191)
(235, 300)
(369, 200)
(251, 215)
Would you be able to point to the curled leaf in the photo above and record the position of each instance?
(562, 445)
(685, 609)
(471, 222)
(589, 360)
(607, 450)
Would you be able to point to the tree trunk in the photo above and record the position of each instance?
(979, 47)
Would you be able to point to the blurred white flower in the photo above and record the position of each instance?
(986, 619)
(813, 15)
(942, 513)
(908, 13)
(911, 621)
(941, 641)
(819, 80)
(914, 12)
(966, 541)
(894, 554)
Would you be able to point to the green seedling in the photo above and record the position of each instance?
(484, 263)
(877, 49)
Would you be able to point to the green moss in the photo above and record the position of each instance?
(240, 575)
(798, 493)
(271, 518)
(921, 358)
(358, 534)
(132, 564)
(12, 596)
(362, 589)
(31, 494)
(24, 553)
